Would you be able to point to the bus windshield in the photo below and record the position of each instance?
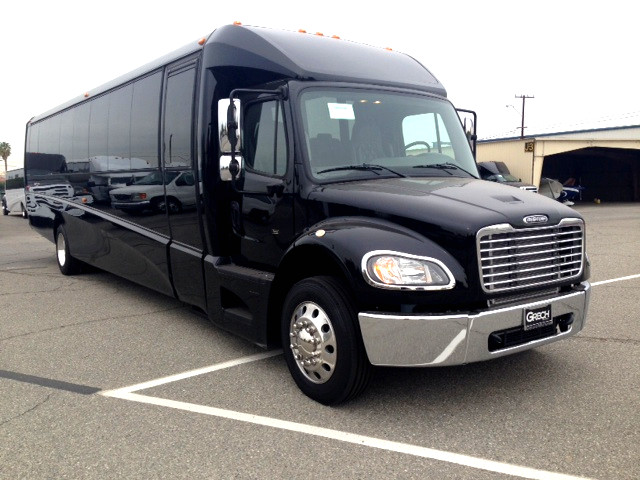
(352, 134)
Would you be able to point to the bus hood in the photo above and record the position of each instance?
(438, 204)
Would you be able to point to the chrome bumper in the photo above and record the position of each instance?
(438, 340)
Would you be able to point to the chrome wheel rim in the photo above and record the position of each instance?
(61, 249)
(313, 342)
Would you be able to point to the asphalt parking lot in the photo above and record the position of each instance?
(100, 378)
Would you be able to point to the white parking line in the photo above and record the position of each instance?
(191, 373)
(417, 451)
(126, 393)
(602, 282)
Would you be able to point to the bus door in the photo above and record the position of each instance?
(181, 193)
(266, 223)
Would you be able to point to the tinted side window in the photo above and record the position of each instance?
(49, 141)
(178, 119)
(66, 135)
(98, 127)
(33, 138)
(118, 141)
(145, 115)
(264, 139)
(80, 150)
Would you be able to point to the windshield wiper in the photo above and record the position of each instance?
(446, 167)
(364, 166)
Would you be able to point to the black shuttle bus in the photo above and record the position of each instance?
(308, 192)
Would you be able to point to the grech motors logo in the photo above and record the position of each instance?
(531, 219)
(541, 316)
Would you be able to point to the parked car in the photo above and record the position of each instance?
(499, 172)
(148, 193)
(13, 201)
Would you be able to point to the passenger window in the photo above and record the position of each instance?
(119, 129)
(178, 120)
(264, 139)
(98, 128)
(426, 133)
(145, 115)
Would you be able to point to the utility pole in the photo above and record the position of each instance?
(523, 97)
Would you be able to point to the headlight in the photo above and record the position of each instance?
(402, 271)
(139, 196)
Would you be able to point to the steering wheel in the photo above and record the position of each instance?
(419, 142)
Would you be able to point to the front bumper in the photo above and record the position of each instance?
(438, 340)
(132, 205)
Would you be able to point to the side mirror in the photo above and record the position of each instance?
(229, 129)
(229, 126)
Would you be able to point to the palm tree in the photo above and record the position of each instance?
(5, 151)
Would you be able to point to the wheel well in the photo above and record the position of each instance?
(303, 262)
(57, 221)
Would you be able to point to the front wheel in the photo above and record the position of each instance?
(322, 343)
(23, 211)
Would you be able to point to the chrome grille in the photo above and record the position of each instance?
(511, 258)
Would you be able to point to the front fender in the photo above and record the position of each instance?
(346, 240)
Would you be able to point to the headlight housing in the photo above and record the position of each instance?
(403, 271)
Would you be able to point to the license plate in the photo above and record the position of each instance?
(537, 317)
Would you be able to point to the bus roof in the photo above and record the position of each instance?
(287, 54)
(316, 57)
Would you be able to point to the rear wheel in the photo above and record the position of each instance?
(24, 211)
(322, 342)
(67, 264)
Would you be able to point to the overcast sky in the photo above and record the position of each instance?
(579, 59)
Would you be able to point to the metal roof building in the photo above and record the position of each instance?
(605, 161)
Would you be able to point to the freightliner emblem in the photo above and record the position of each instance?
(535, 219)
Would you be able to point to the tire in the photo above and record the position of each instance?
(67, 264)
(5, 211)
(171, 205)
(23, 211)
(322, 343)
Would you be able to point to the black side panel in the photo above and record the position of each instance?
(109, 243)
(186, 268)
(238, 298)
